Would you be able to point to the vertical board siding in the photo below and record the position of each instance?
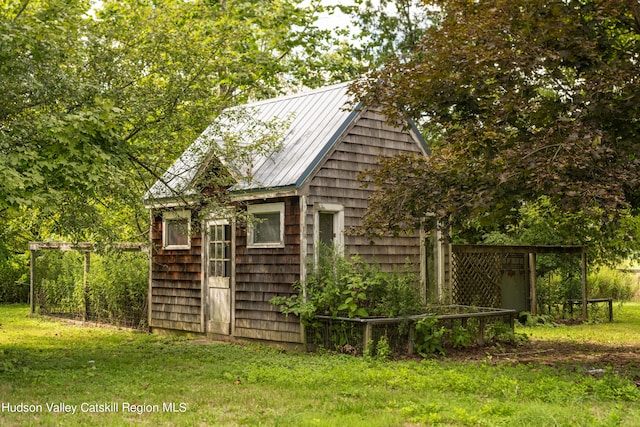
(261, 274)
(336, 181)
(176, 283)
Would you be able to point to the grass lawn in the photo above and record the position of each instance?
(116, 377)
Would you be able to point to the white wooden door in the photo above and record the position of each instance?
(219, 269)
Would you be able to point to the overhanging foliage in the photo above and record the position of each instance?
(523, 99)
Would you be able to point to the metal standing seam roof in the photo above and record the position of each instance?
(317, 119)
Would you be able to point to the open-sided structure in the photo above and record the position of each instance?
(504, 276)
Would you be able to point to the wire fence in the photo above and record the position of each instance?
(359, 336)
(107, 287)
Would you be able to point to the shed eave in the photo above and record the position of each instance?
(417, 136)
(171, 202)
(264, 193)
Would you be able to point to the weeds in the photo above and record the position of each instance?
(116, 292)
(429, 335)
(348, 287)
(460, 337)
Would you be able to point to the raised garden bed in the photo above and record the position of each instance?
(362, 335)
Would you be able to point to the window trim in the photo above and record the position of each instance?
(265, 208)
(173, 215)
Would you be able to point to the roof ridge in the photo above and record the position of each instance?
(294, 95)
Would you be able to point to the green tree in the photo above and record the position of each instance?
(384, 29)
(521, 99)
(55, 136)
(98, 99)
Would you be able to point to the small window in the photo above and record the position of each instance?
(328, 229)
(326, 225)
(267, 226)
(176, 230)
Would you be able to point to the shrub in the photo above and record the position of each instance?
(429, 335)
(609, 283)
(348, 287)
(14, 279)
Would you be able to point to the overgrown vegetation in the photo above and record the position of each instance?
(348, 287)
(14, 278)
(429, 336)
(610, 283)
(228, 385)
(116, 290)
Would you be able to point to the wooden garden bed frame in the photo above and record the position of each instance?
(441, 312)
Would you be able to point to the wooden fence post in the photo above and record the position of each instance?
(32, 282)
(584, 284)
(532, 284)
(411, 338)
(483, 324)
(367, 336)
(87, 268)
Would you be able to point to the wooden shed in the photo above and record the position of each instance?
(212, 275)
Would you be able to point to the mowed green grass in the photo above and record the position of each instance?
(624, 330)
(211, 384)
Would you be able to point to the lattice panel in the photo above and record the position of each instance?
(476, 279)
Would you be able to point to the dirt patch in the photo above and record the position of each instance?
(583, 357)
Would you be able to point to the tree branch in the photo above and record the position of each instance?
(542, 149)
(634, 5)
(22, 8)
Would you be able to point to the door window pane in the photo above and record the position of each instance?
(219, 250)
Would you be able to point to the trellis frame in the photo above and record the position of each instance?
(531, 252)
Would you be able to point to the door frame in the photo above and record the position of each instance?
(206, 224)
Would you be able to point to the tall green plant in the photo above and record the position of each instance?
(349, 287)
(116, 287)
(610, 283)
(14, 279)
(429, 334)
(60, 283)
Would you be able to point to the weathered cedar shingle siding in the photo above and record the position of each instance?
(262, 274)
(176, 286)
(336, 181)
(324, 150)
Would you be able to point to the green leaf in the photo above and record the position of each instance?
(361, 312)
